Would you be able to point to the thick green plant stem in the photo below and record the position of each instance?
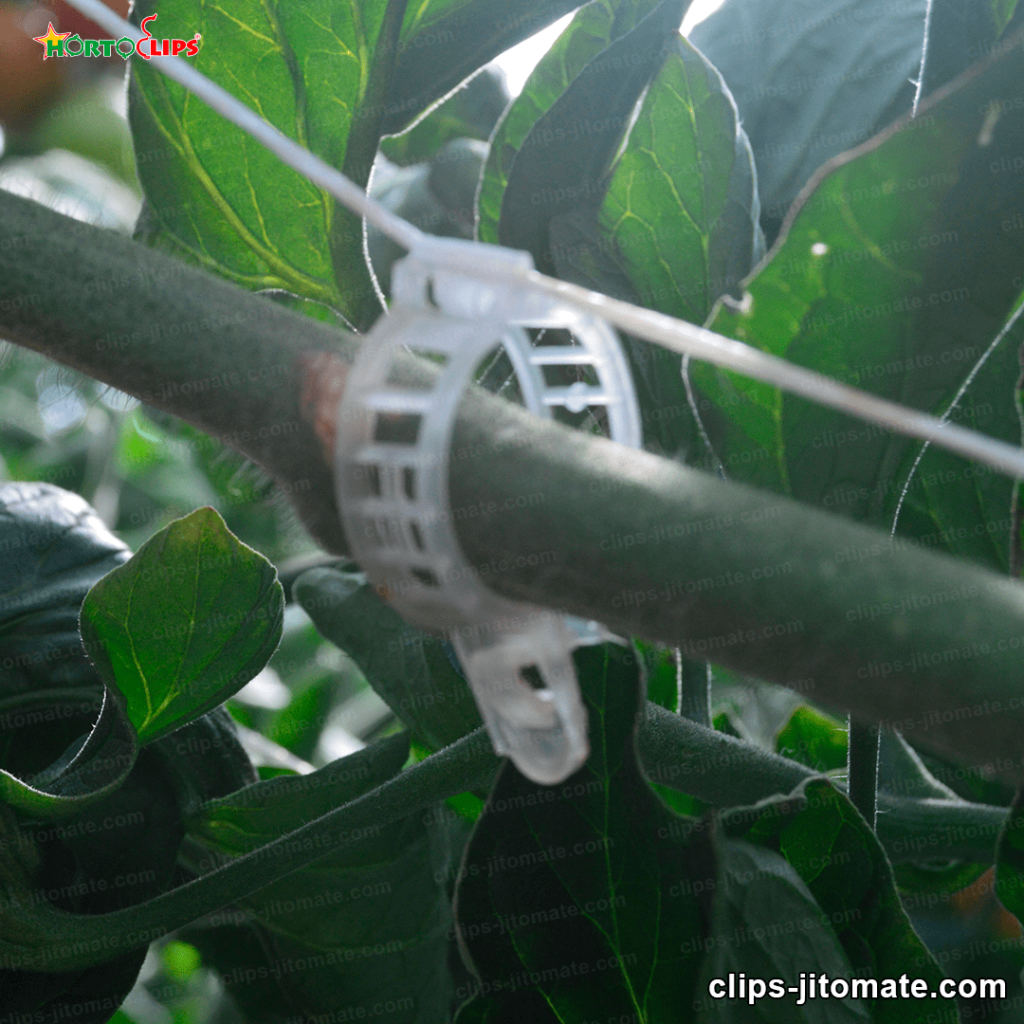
(726, 772)
(862, 768)
(673, 750)
(754, 582)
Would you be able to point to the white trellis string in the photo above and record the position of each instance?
(677, 335)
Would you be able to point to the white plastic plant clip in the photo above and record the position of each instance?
(393, 438)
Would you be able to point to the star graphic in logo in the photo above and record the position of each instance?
(52, 37)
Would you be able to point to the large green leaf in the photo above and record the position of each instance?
(596, 26)
(444, 41)
(952, 503)
(562, 163)
(896, 273)
(586, 892)
(183, 625)
(408, 668)
(657, 205)
(682, 205)
(215, 197)
(834, 853)
(812, 78)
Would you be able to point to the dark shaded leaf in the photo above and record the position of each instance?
(217, 198)
(205, 760)
(766, 924)
(960, 33)
(444, 41)
(835, 854)
(187, 622)
(119, 851)
(811, 79)
(895, 274)
(470, 113)
(437, 197)
(44, 937)
(586, 892)
(53, 548)
(373, 918)
(408, 668)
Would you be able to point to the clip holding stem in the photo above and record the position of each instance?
(393, 439)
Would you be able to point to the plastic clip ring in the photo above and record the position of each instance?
(393, 439)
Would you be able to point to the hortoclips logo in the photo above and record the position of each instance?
(67, 45)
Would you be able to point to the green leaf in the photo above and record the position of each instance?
(370, 918)
(550, 185)
(814, 739)
(837, 856)
(173, 632)
(766, 924)
(408, 668)
(590, 32)
(443, 42)
(586, 892)
(682, 205)
(562, 162)
(1003, 11)
(662, 669)
(217, 198)
(952, 503)
(895, 274)
(57, 758)
(811, 78)
(54, 548)
(183, 625)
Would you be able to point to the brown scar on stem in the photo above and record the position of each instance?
(322, 377)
